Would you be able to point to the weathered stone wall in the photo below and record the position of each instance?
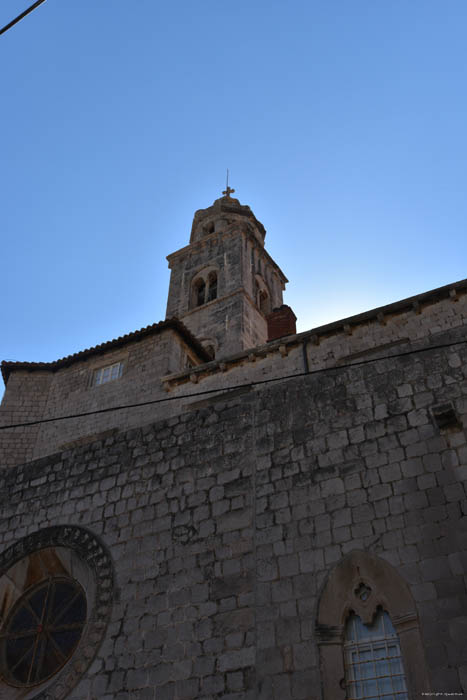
(70, 390)
(423, 323)
(24, 401)
(331, 345)
(32, 395)
(232, 321)
(224, 523)
(256, 260)
(218, 251)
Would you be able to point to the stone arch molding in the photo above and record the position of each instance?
(362, 583)
(69, 551)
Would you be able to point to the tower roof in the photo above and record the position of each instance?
(227, 208)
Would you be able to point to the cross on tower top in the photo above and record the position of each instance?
(228, 189)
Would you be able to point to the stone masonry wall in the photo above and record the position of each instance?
(32, 395)
(224, 523)
(221, 252)
(232, 321)
(425, 323)
(41, 395)
(327, 347)
(24, 401)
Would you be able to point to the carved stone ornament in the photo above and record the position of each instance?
(362, 583)
(78, 555)
(363, 592)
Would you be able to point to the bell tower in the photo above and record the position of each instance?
(224, 283)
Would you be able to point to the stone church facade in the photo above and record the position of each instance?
(218, 507)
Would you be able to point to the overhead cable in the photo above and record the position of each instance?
(226, 390)
(20, 17)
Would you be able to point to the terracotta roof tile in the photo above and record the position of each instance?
(170, 324)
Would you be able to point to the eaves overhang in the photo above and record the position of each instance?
(172, 324)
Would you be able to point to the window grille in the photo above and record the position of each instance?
(373, 662)
(108, 374)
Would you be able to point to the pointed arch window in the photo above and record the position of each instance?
(264, 304)
(373, 660)
(256, 291)
(204, 288)
(368, 633)
(212, 286)
(199, 289)
(261, 293)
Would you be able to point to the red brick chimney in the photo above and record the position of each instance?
(281, 322)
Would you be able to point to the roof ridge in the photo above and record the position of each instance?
(7, 366)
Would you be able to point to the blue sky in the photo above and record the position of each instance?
(343, 125)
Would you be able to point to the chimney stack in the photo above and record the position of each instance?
(281, 322)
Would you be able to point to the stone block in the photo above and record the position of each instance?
(435, 568)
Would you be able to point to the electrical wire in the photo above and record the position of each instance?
(20, 17)
(226, 390)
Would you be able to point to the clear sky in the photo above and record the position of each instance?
(343, 124)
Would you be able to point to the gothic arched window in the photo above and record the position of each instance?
(212, 286)
(264, 304)
(261, 293)
(373, 659)
(199, 290)
(368, 632)
(204, 288)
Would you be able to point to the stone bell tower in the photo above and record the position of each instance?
(224, 283)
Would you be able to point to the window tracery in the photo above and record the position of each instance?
(362, 596)
(56, 587)
(204, 288)
(42, 631)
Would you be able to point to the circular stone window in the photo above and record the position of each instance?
(55, 601)
(42, 631)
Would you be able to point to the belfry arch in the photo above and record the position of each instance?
(204, 287)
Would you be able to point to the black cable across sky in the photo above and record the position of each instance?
(20, 17)
(226, 390)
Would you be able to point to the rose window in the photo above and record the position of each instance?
(42, 631)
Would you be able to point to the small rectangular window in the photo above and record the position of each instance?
(108, 374)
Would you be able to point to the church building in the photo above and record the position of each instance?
(216, 506)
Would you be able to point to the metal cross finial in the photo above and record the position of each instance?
(228, 189)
